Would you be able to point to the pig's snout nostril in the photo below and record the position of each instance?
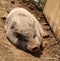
(35, 49)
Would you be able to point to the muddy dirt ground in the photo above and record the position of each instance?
(8, 52)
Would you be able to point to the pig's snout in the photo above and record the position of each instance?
(33, 48)
(34, 45)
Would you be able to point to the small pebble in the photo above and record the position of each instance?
(57, 56)
(44, 23)
(51, 36)
(38, 18)
(42, 16)
(47, 28)
(6, 47)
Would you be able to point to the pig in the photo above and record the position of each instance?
(24, 30)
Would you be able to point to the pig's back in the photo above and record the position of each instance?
(24, 19)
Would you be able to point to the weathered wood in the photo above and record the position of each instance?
(52, 14)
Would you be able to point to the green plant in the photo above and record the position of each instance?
(43, 1)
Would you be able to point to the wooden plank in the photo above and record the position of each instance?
(52, 14)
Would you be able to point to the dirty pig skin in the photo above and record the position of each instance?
(23, 30)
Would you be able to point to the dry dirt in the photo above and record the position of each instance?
(9, 52)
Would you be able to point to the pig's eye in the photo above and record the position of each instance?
(20, 36)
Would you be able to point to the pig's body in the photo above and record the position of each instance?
(23, 29)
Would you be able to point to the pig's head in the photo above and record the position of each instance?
(27, 38)
(34, 44)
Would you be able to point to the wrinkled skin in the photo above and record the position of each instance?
(23, 30)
